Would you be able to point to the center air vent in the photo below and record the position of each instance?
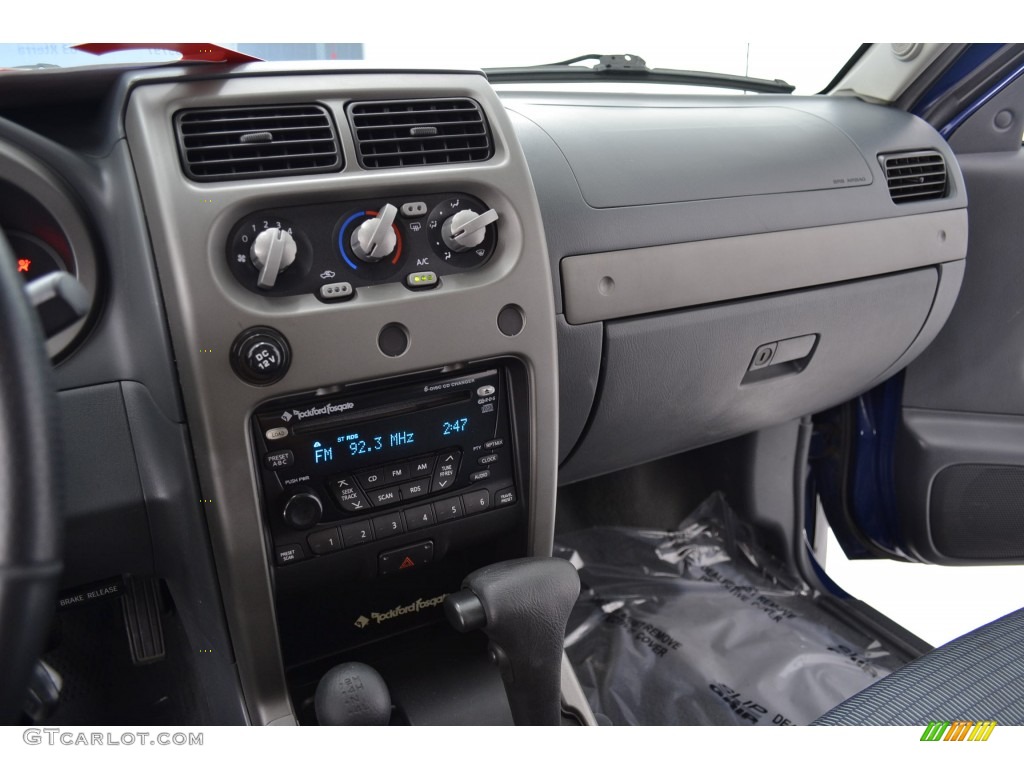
(914, 176)
(256, 142)
(396, 134)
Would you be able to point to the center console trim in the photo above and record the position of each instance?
(189, 224)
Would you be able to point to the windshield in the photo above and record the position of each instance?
(807, 67)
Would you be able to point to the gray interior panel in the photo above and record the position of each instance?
(931, 441)
(976, 363)
(673, 381)
(573, 226)
(579, 368)
(604, 286)
(107, 526)
(620, 160)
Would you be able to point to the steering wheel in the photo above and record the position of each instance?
(30, 495)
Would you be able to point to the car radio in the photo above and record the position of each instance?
(357, 468)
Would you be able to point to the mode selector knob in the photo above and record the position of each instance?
(303, 510)
(272, 252)
(375, 238)
(467, 229)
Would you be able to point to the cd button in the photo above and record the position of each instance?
(372, 479)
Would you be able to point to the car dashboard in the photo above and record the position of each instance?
(352, 328)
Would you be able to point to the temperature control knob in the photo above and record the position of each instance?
(273, 251)
(375, 238)
(467, 229)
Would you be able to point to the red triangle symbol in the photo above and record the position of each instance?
(407, 563)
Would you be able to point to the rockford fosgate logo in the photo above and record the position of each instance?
(400, 610)
(323, 410)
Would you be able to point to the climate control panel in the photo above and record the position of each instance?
(331, 250)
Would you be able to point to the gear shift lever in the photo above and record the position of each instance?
(522, 606)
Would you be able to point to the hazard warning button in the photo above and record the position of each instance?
(405, 559)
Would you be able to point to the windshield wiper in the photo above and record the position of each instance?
(628, 68)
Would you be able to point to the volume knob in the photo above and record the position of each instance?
(303, 510)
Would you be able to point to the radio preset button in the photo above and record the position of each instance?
(505, 497)
(323, 542)
(490, 458)
(354, 534)
(385, 497)
(387, 525)
(415, 489)
(279, 460)
(349, 497)
(477, 501)
(422, 467)
(446, 471)
(449, 509)
(372, 479)
(419, 517)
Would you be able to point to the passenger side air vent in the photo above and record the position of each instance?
(914, 176)
(396, 134)
(257, 142)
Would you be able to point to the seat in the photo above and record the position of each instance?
(979, 676)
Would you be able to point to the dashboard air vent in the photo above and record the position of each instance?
(914, 176)
(397, 134)
(257, 142)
